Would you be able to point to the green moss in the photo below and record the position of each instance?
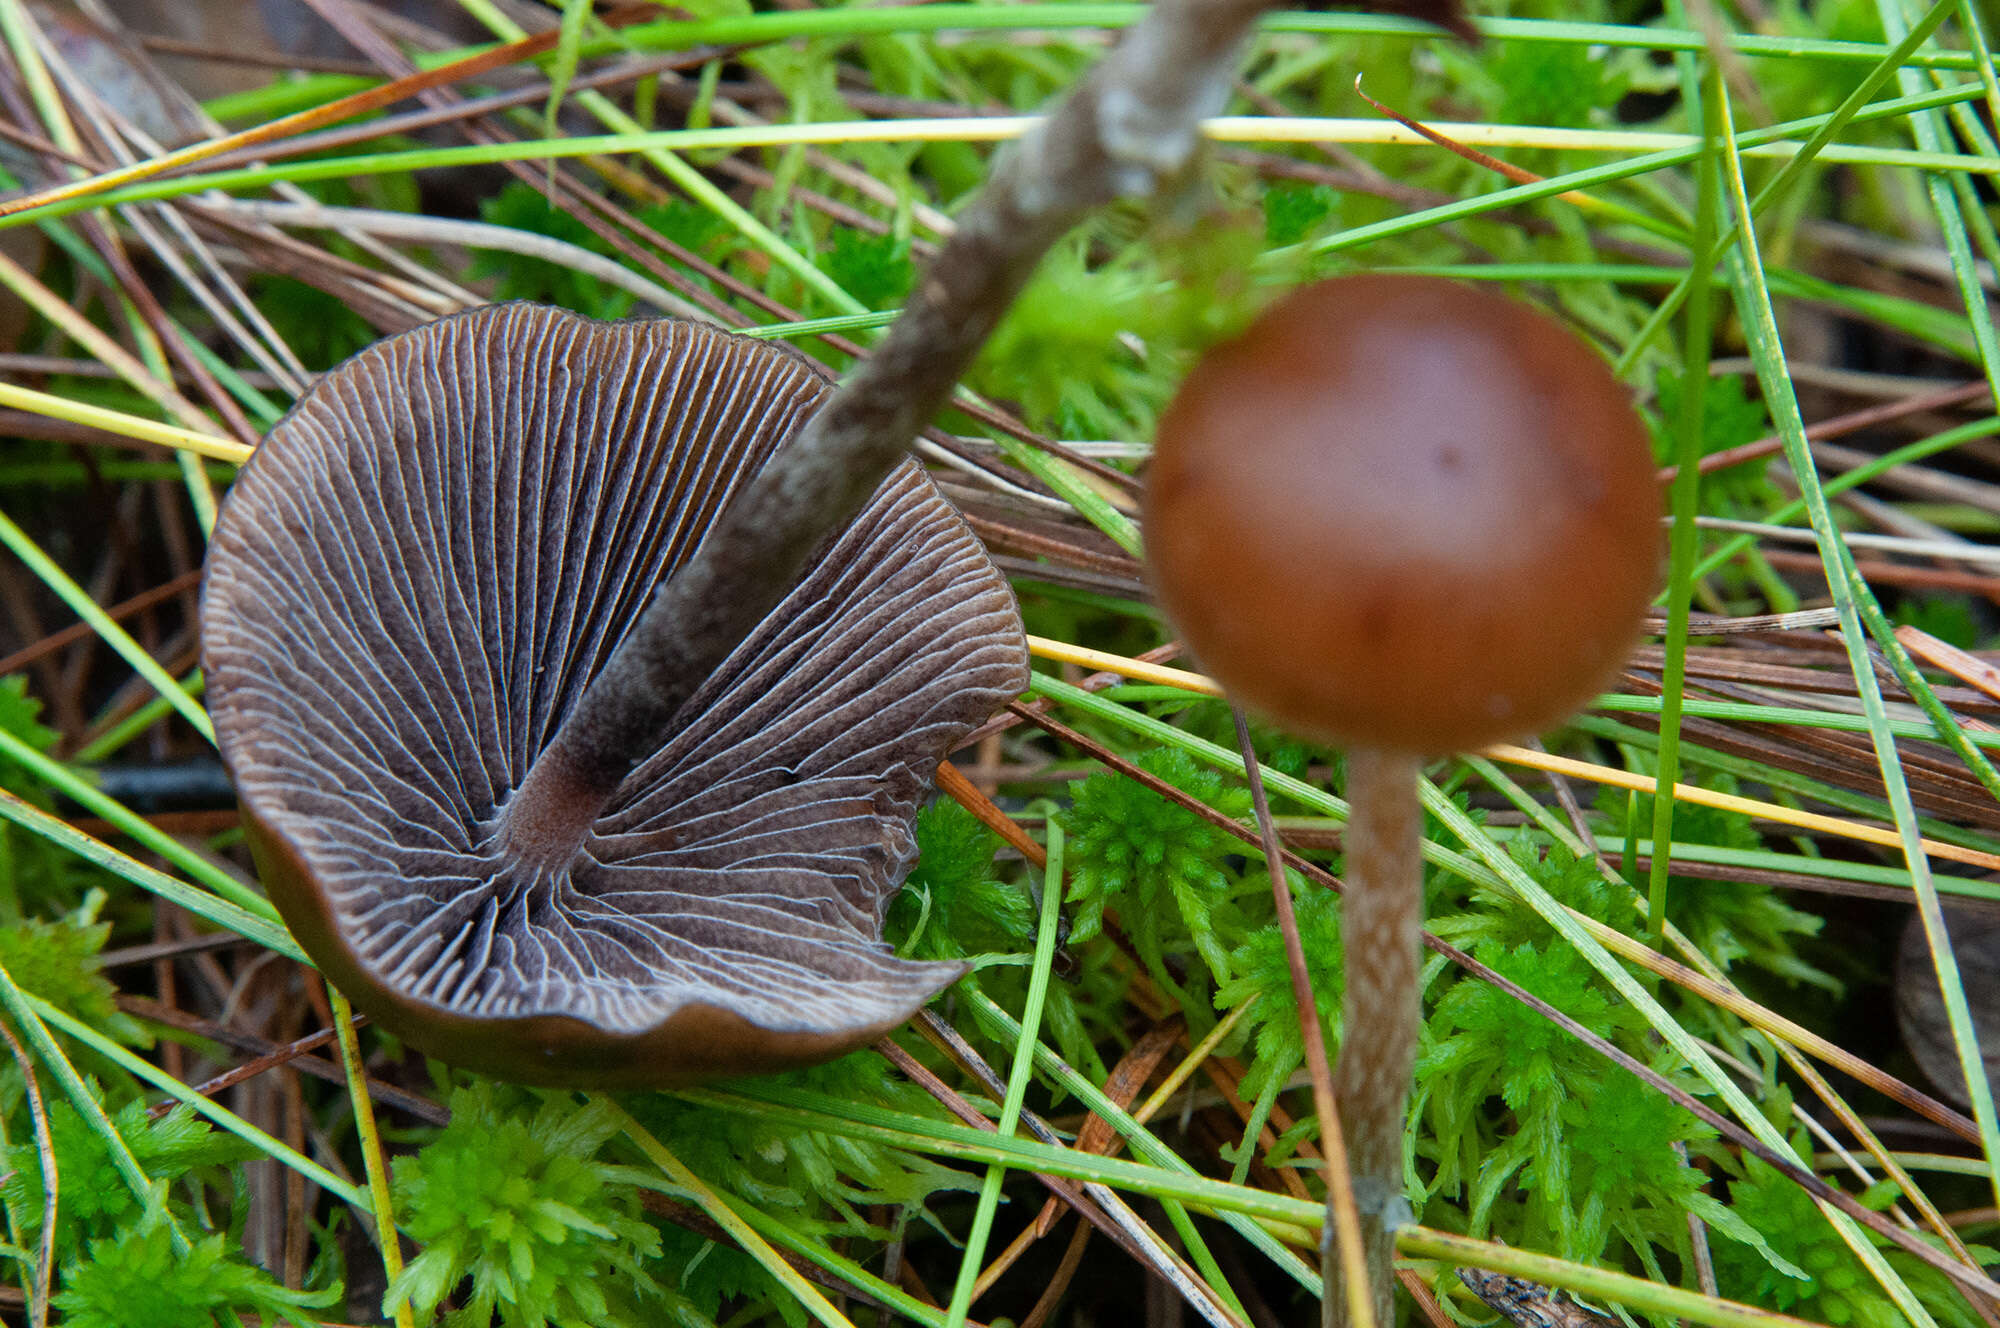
(1263, 974)
(137, 1279)
(58, 962)
(1162, 868)
(952, 905)
(95, 1200)
(1801, 1266)
(515, 1199)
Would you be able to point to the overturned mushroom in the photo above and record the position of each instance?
(411, 584)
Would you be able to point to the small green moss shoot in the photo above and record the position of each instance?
(512, 1198)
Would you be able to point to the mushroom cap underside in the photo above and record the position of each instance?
(411, 584)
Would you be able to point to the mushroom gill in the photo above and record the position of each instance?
(409, 586)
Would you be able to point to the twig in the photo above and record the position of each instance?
(1530, 1304)
(75, 632)
(270, 1055)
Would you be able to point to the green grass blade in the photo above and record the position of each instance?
(22, 1008)
(808, 1296)
(125, 730)
(113, 635)
(66, 781)
(223, 913)
(1682, 542)
(1753, 303)
(140, 1067)
(1018, 1078)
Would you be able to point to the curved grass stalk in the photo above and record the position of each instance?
(112, 634)
(472, 235)
(1767, 352)
(724, 1216)
(58, 776)
(381, 1209)
(778, 26)
(1775, 141)
(140, 1067)
(769, 27)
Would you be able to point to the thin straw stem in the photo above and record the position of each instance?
(1344, 1298)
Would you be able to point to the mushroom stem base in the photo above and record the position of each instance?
(546, 821)
(1381, 929)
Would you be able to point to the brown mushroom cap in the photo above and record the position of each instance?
(411, 583)
(1405, 513)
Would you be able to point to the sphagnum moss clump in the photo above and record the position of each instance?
(523, 1208)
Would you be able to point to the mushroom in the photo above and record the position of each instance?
(1409, 517)
(410, 585)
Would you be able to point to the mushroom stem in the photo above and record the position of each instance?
(1381, 927)
(549, 815)
(1132, 125)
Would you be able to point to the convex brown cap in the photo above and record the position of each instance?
(410, 585)
(1405, 513)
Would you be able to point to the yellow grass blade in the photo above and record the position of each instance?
(1563, 765)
